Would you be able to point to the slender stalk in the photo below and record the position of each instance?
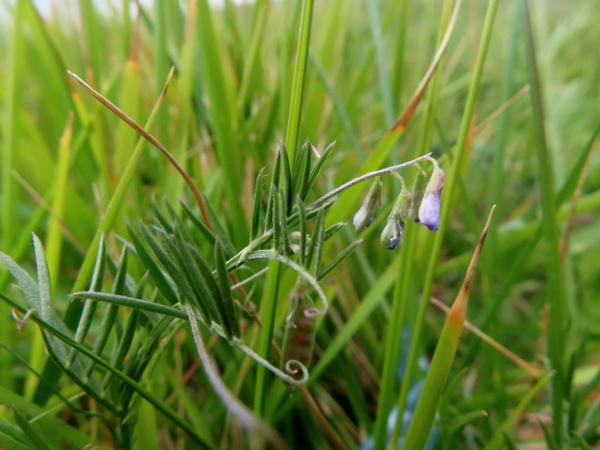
(116, 201)
(220, 92)
(398, 69)
(261, 10)
(393, 341)
(395, 327)
(382, 70)
(364, 177)
(234, 406)
(293, 124)
(449, 192)
(556, 299)
(273, 278)
(12, 94)
(269, 309)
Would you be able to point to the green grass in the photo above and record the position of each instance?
(388, 82)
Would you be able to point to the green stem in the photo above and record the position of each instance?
(555, 292)
(293, 125)
(364, 177)
(382, 70)
(393, 341)
(449, 193)
(114, 206)
(12, 93)
(269, 309)
(273, 281)
(405, 273)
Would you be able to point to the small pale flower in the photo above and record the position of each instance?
(429, 210)
(295, 238)
(391, 237)
(366, 214)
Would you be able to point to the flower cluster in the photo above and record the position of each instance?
(422, 205)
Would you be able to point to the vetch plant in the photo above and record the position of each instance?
(425, 200)
(243, 300)
(188, 278)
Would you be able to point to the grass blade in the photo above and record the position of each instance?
(497, 440)
(89, 308)
(293, 123)
(230, 314)
(338, 259)
(12, 95)
(161, 406)
(429, 400)
(155, 272)
(258, 190)
(108, 221)
(556, 299)
(449, 192)
(220, 93)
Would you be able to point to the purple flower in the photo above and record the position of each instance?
(429, 210)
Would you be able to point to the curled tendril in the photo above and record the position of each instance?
(266, 364)
(270, 254)
(312, 312)
(293, 367)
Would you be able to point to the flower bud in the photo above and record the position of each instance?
(295, 238)
(391, 237)
(429, 210)
(366, 214)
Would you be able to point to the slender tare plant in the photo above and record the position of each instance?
(259, 225)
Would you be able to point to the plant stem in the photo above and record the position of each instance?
(449, 192)
(12, 93)
(555, 292)
(269, 309)
(362, 178)
(269, 306)
(293, 125)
